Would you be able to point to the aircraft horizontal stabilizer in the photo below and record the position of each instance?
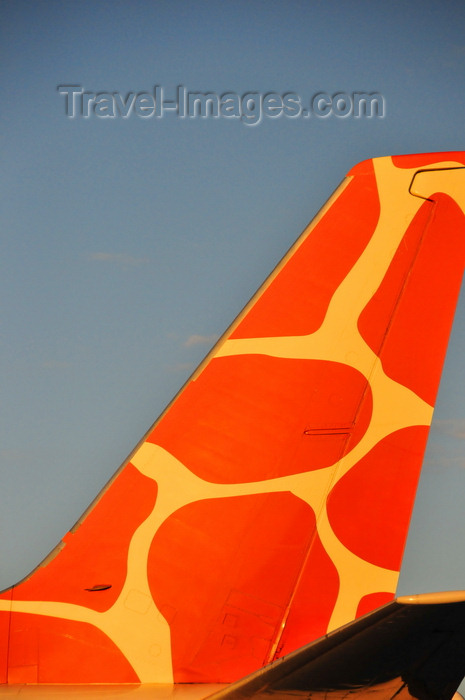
(413, 647)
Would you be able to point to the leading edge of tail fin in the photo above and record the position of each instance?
(270, 502)
(409, 648)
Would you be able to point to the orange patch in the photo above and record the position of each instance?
(255, 417)
(222, 572)
(372, 601)
(370, 507)
(421, 160)
(51, 650)
(296, 301)
(96, 553)
(313, 601)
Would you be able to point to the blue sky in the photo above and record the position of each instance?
(128, 245)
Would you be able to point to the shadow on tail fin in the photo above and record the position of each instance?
(270, 502)
(412, 647)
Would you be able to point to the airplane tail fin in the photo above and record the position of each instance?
(270, 502)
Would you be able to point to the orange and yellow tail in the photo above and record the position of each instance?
(270, 503)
